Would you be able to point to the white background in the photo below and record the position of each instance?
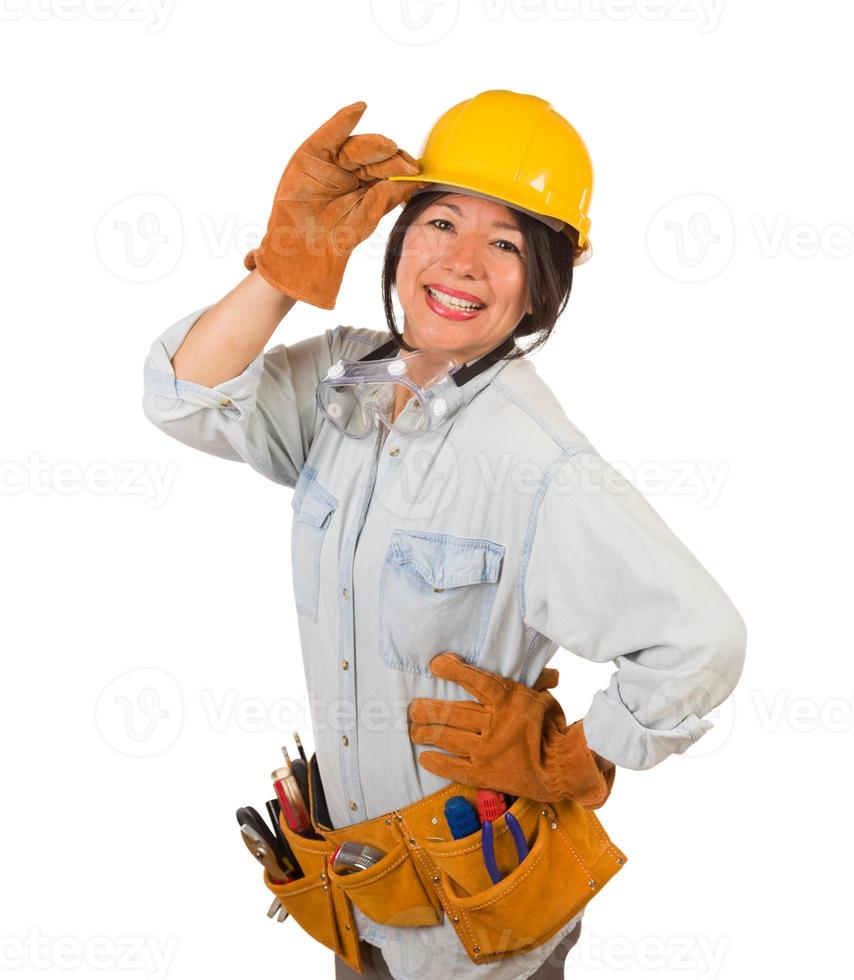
(151, 665)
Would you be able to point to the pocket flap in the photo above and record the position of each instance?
(446, 561)
(311, 504)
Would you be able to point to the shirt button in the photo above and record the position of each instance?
(354, 805)
(345, 592)
(394, 451)
(225, 401)
(345, 740)
(345, 664)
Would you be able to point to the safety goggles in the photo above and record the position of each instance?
(356, 396)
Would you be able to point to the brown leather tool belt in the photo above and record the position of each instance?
(426, 874)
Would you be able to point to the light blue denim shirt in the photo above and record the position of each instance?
(500, 535)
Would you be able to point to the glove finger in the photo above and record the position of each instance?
(451, 739)
(363, 149)
(409, 158)
(482, 684)
(467, 715)
(329, 138)
(394, 166)
(384, 196)
(548, 678)
(447, 767)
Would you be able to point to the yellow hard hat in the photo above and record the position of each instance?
(516, 149)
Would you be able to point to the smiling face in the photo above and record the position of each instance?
(460, 251)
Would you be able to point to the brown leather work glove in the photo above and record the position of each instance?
(513, 739)
(330, 197)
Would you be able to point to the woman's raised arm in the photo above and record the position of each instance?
(231, 333)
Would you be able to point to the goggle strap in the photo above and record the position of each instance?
(386, 350)
(468, 371)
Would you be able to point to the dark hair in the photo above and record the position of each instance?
(549, 271)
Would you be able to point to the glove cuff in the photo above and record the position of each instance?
(574, 770)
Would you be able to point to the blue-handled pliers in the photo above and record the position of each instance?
(488, 845)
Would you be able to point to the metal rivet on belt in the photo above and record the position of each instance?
(323, 875)
(434, 819)
(554, 826)
(388, 822)
(436, 879)
(456, 918)
(412, 842)
(397, 816)
(591, 883)
(619, 860)
(326, 887)
(477, 950)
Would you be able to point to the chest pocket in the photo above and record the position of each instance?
(313, 509)
(436, 593)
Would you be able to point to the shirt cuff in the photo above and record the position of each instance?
(234, 397)
(613, 731)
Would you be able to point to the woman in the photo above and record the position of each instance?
(464, 529)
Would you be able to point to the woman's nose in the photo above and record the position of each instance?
(463, 257)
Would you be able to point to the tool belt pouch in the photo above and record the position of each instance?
(426, 874)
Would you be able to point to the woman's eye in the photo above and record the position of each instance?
(501, 241)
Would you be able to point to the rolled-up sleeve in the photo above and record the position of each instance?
(608, 580)
(266, 416)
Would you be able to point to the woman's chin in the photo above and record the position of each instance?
(449, 337)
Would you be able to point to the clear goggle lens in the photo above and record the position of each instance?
(357, 395)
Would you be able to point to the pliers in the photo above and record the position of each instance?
(488, 845)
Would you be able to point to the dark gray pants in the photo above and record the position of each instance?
(376, 968)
